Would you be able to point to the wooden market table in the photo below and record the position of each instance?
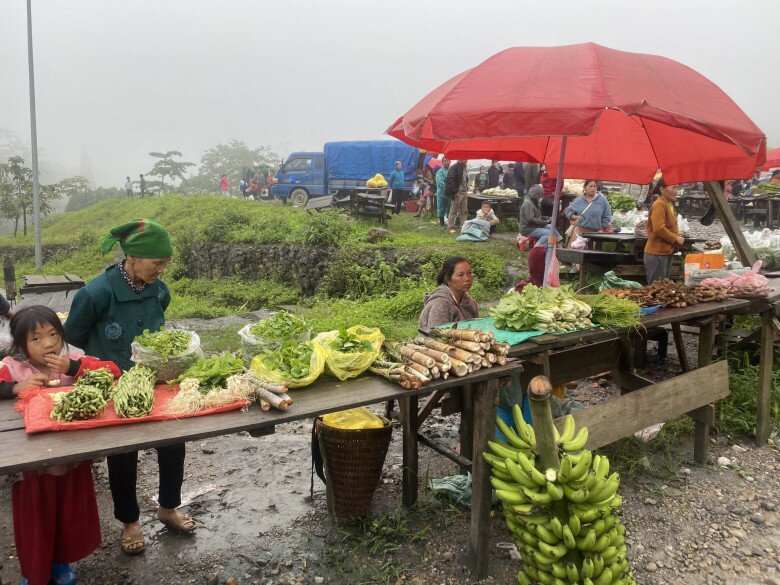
(626, 260)
(20, 451)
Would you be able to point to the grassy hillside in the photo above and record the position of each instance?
(359, 277)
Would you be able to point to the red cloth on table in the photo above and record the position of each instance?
(55, 520)
(35, 405)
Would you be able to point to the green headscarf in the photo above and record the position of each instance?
(142, 238)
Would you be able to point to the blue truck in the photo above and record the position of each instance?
(342, 168)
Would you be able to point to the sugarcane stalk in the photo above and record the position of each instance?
(265, 406)
(499, 348)
(275, 400)
(444, 366)
(491, 357)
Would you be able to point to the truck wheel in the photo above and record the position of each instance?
(299, 198)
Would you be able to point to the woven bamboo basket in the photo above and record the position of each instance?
(353, 464)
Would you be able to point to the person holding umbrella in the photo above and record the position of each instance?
(662, 233)
(105, 317)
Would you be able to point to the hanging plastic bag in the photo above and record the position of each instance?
(352, 363)
(579, 243)
(168, 367)
(554, 274)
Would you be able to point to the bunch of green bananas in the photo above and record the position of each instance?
(563, 520)
(134, 392)
(82, 402)
(101, 378)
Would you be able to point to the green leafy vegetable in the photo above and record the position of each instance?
(291, 360)
(621, 202)
(281, 326)
(214, 371)
(166, 343)
(612, 311)
(542, 309)
(347, 342)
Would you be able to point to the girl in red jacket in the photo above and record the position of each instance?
(54, 509)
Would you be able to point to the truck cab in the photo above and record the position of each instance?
(300, 177)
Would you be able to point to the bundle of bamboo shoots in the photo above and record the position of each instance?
(456, 352)
(405, 375)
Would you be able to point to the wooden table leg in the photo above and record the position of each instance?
(680, 346)
(701, 432)
(763, 410)
(466, 431)
(408, 405)
(583, 276)
(485, 399)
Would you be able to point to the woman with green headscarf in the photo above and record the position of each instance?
(105, 317)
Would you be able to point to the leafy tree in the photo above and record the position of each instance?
(167, 165)
(84, 197)
(235, 160)
(16, 192)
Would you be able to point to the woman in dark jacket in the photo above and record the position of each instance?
(105, 317)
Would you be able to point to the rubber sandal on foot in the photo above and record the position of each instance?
(133, 543)
(182, 524)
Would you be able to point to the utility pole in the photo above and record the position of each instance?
(34, 144)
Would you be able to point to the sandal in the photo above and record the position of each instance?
(133, 543)
(181, 524)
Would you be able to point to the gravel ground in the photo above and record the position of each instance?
(716, 523)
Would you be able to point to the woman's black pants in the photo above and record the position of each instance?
(123, 477)
(399, 196)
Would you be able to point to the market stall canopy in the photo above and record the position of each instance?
(626, 115)
(772, 160)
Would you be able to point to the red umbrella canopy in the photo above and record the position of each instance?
(772, 159)
(626, 116)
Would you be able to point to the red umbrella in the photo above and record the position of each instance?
(772, 159)
(609, 114)
(625, 115)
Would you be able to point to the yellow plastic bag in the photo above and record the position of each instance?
(354, 418)
(316, 367)
(345, 365)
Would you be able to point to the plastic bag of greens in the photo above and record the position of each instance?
(169, 352)
(270, 333)
(296, 364)
(611, 280)
(349, 352)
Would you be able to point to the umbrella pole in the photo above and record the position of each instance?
(548, 256)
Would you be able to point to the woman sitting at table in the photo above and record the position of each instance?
(450, 302)
(662, 233)
(588, 213)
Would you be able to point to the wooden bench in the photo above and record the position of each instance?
(35, 283)
(319, 203)
(597, 257)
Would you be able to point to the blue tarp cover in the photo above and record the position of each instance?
(361, 160)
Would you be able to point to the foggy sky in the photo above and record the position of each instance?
(116, 80)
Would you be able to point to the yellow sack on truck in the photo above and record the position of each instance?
(353, 419)
(348, 364)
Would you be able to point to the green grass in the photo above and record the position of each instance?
(220, 339)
